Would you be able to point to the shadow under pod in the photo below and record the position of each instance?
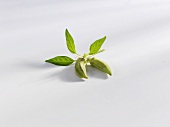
(67, 75)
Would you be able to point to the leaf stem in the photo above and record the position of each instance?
(78, 54)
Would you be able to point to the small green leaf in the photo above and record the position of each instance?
(101, 51)
(61, 60)
(95, 47)
(70, 42)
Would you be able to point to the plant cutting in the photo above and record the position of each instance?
(82, 60)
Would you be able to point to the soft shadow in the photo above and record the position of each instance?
(67, 75)
(95, 73)
(35, 64)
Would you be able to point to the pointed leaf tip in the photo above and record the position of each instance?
(70, 42)
(95, 47)
(60, 60)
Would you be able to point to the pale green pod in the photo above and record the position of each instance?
(80, 68)
(102, 66)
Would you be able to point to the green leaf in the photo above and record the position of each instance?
(61, 60)
(70, 42)
(95, 47)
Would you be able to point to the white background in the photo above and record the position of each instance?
(36, 94)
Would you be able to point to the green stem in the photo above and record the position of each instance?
(78, 54)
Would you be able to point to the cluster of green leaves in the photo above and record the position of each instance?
(65, 60)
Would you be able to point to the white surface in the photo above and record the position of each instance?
(36, 94)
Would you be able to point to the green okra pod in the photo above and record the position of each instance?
(80, 68)
(101, 65)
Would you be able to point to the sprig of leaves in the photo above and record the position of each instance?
(66, 61)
